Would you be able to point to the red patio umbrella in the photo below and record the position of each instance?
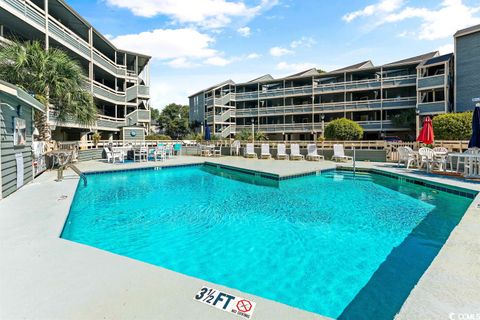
(426, 135)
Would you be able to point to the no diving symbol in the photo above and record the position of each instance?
(244, 305)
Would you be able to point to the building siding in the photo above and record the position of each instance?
(467, 83)
(8, 150)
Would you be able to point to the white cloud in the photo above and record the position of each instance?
(217, 61)
(446, 48)
(305, 42)
(244, 31)
(253, 56)
(180, 48)
(437, 23)
(205, 13)
(279, 51)
(294, 67)
(169, 43)
(384, 6)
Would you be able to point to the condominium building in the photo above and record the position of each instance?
(298, 107)
(467, 68)
(118, 79)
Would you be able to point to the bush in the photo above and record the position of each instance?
(453, 126)
(343, 129)
(157, 137)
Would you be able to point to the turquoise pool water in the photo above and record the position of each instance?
(338, 245)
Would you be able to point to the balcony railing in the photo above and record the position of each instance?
(27, 10)
(431, 82)
(102, 122)
(432, 107)
(103, 92)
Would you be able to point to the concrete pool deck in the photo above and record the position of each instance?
(45, 277)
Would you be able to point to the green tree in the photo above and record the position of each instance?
(154, 114)
(453, 126)
(174, 121)
(343, 129)
(404, 119)
(53, 77)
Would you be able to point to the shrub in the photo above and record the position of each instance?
(343, 129)
(453, 126)
(157, 137)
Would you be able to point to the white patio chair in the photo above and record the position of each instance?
(295, 152)
(160, 154)
(250, 151)
(141, 154)
(265, 151)
(426, 158)
(339, 153)
(406, 156)
(463, 160)
(282, 151)
(312, 153)
(112, 156)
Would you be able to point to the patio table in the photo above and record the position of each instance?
(472, 169)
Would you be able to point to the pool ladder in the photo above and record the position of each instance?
(75, 169)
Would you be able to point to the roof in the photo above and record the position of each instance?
(229, 81)
(309, 72)
(361, 65)
(414, 59)
(436, 60)
(19, 94)
(265, 77)
(467, 31)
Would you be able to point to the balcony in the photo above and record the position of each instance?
(102, 123)
(246, 95)
(399, 103)
(137, 116)
(26, 11)
(431, 82)
(432, 107)
(410, 80)
(103, 92)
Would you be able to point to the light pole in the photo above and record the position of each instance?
(253, 130)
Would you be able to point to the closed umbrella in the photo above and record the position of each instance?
(426, 135)
(475, 139)
(207, 132)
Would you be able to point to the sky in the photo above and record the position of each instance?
(195, 44)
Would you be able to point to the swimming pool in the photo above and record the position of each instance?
(329, 243)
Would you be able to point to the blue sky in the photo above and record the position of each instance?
(197, 43)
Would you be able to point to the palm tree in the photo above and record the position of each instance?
(53, 77)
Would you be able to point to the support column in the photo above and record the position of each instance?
(47, 35)
(83, 140)
(90, 63)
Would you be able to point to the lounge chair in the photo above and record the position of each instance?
(295, 152)
(312, 153)
(282, 151)
(112, 156)
(265, 152)
(339, 153)
(250, 151)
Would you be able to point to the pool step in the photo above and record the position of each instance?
(347, 176)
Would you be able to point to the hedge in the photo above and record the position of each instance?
(453, 126)
(343, 129)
